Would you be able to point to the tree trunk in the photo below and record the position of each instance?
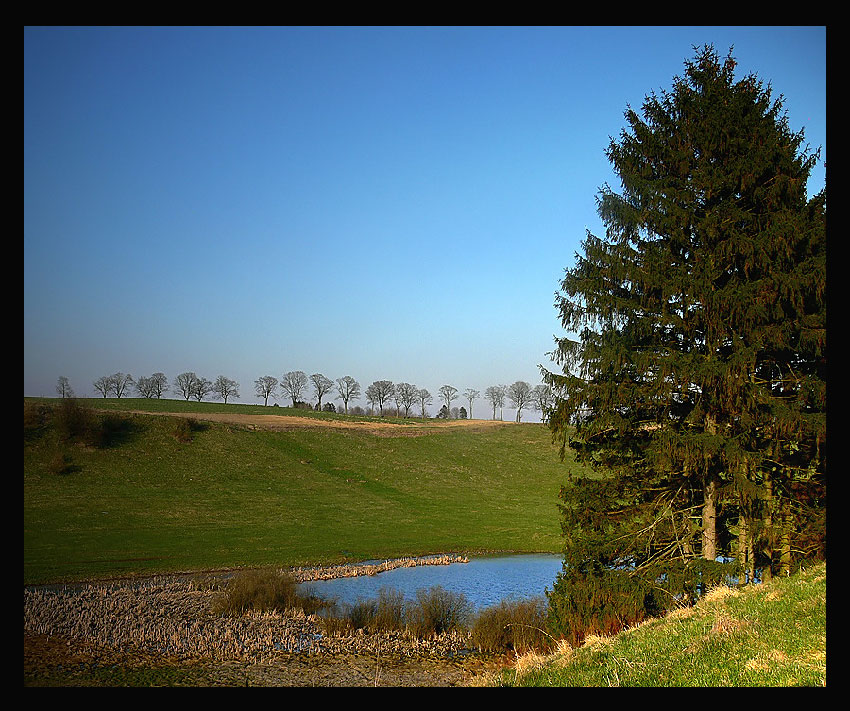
(709, 506)
(746, 559)
(785, 538)
(709, 520)
(746, 552)
(768, 526)
(743, 547)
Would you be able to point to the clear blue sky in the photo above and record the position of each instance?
(389, 203)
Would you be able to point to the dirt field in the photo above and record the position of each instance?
(291, 422)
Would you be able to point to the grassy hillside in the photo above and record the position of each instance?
(763, 635)
(233, 496)
(191, 407)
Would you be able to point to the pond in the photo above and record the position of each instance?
(485, 580)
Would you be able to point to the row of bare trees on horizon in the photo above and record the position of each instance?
(296, 386)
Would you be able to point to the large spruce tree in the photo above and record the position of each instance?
(697, 381)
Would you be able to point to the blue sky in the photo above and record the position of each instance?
(386, 203)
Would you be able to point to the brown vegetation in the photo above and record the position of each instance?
(290, 422)
(205, 619)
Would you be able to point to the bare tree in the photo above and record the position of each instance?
(63, 387)
(293, 384)
(103, 385)
(470, 396)
(407, 396)
(424, 398)
(153, 386)
(120, 382)
(448, 393)
(348, 389)
(496, 395)
(158, 384)
(144, 387)
(543, 398)
(379, 392)
(321, 385)
(225, 388)
(185, 384)
(202, 388)
(265, 387)
(520, 395)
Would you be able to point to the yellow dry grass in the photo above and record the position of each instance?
(529, 662)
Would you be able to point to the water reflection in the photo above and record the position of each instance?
(485, 581)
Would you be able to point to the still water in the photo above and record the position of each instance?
(485, 581)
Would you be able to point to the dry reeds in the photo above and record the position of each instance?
(253, 616)
(175, 618)
(518, 626)
(264, 591)
(310, 574)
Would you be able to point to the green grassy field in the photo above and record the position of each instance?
(193, 407)
(233, 496)
(762, 635)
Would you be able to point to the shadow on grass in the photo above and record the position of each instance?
(76, 423)
(186, 427)
(115, 431)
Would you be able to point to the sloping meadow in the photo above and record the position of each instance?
(155, 500)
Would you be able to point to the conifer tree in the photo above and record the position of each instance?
(697, 378)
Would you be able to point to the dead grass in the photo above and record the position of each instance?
(593, 640)
(720, 592)
(727, 625)
(528, 663)
(289, 422)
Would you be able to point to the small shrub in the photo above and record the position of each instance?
(512, 625)
(438, 610)
(74, 422)
(60, 463)
(361, 614)
(603, 603)
(107, 430)
(35, 419)
(385, 614)
(390, 611)
(183, 428)
(264, 591)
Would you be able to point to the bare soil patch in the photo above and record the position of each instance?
(292, 422)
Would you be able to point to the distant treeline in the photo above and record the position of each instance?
(383, 397)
